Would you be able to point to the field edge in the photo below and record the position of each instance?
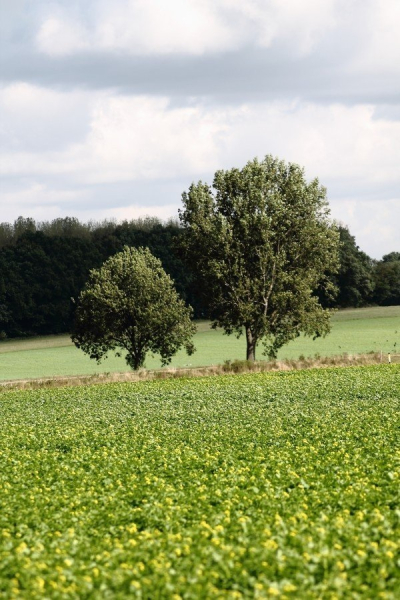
(229, 367)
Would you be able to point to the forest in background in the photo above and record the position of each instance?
(44, 266)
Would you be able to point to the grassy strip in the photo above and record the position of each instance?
(235, 366)
(354, 331)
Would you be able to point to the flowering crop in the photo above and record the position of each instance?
(278, 485)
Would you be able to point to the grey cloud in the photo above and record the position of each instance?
(389, 112)
(18, 23)
(169, 191)
(247, 74)
(234, 77)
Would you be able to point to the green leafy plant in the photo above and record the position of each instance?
(238, 487)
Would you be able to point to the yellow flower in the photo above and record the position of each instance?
(337, 546)
(135, 585)
(289, 587)
(273, 591)
(270, 544)
(40, 583)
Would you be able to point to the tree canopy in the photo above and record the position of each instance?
(44, 264)
(355, 278)
(387, 280)
(260, 242)
(130, 306)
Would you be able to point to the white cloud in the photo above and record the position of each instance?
(374, 224)
(121, 213)
(156, 26)
(38, 195)
(39, 201)
(44, 203)
(139, 27)
(379, 37)
(139, 137)
(135, 139)
(129, 138)
(297, 24)
(333, 142)
(36, 118)
(61, 37)
(147, 27)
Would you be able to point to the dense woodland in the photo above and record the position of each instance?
(44, 266)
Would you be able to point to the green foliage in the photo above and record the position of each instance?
(234, 487)
(387, 280)
(38, 277)
(44, 265)
(260, 244)
(355, 278)
(130, 304)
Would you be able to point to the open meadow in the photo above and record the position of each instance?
(354, 331)
(282, 485)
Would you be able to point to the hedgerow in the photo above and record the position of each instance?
(278, 485)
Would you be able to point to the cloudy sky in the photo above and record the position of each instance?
(111, 108)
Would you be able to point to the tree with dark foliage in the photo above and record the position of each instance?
(260, 243)
(387, 280)
(355, 278)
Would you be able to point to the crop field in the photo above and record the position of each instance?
(353, 331)
(281, 485)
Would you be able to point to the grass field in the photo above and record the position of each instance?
(280, 485)
(354, 331)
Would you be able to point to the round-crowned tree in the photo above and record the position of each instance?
(260, 241)
(130, 306)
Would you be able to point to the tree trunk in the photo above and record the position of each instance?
(251, 345)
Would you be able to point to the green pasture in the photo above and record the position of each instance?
(354, 331)
(262, 486)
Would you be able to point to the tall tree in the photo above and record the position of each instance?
(130, 306)
(261, 242)
(355, 279)
(387, 280)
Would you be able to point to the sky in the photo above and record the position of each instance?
(110, 109)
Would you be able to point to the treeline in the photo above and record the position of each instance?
(361, 280)
(44, 266)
